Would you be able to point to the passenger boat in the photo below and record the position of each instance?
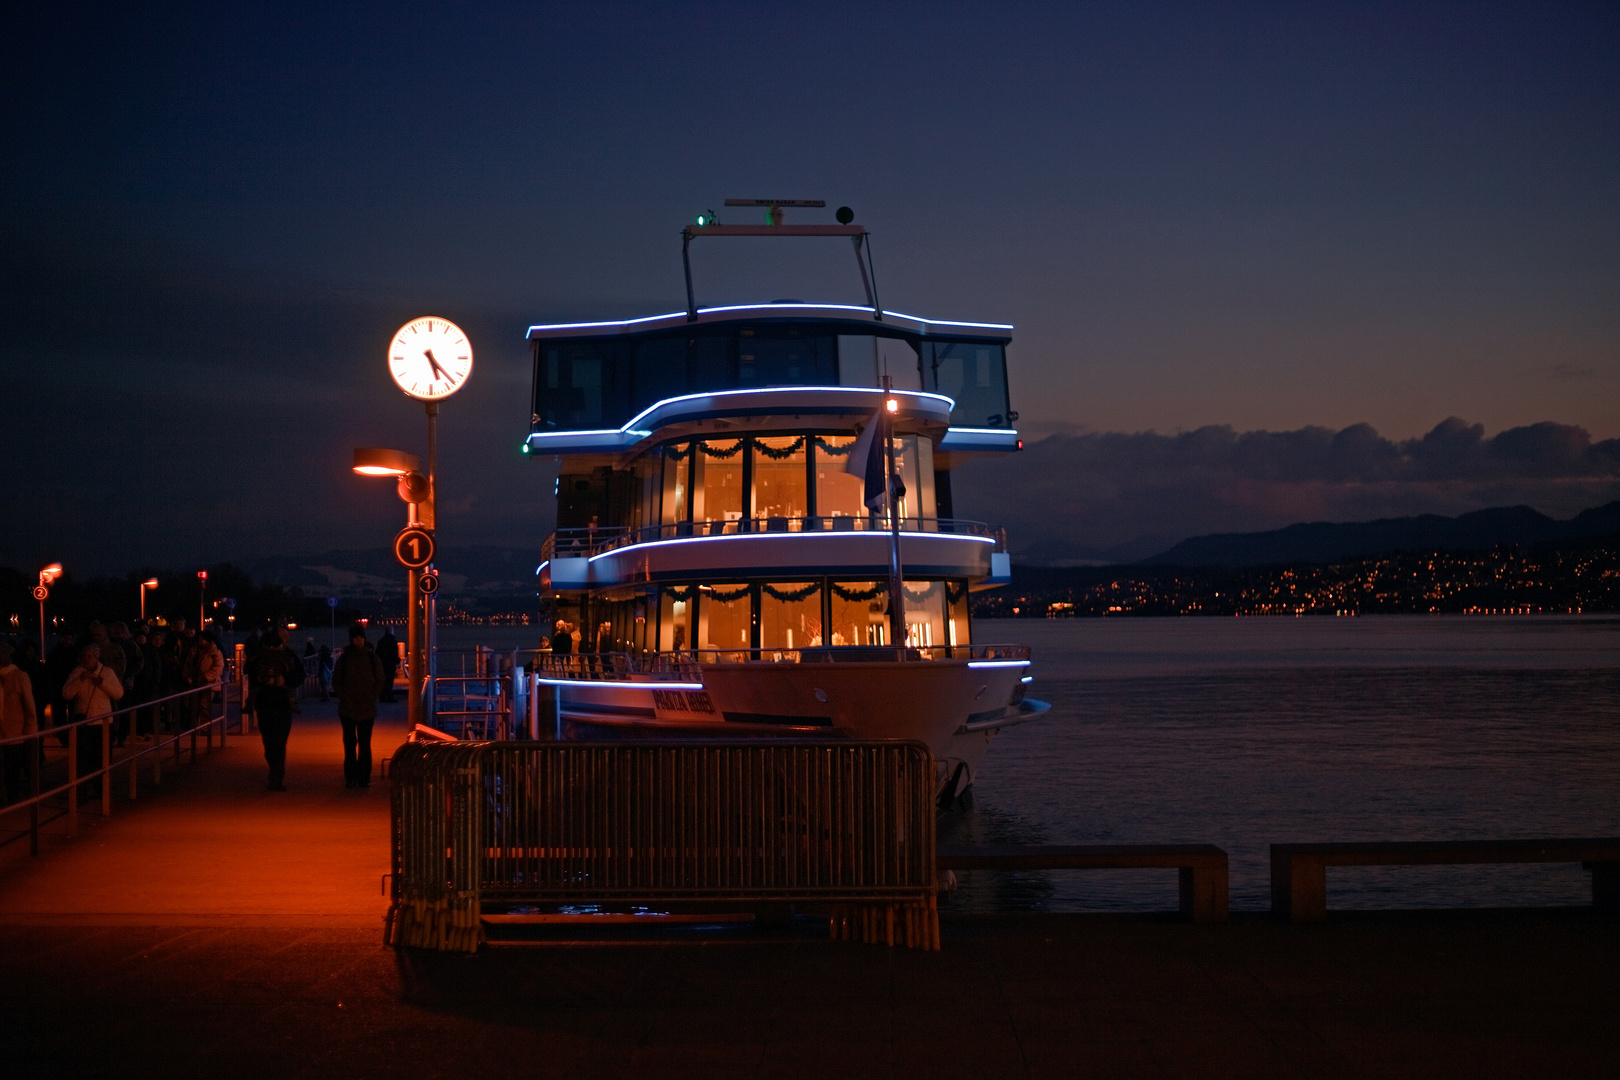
(718, 569)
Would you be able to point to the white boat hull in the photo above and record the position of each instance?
(955, 707)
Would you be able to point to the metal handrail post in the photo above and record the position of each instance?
(34, 768)
(106, 763)
(73, 780)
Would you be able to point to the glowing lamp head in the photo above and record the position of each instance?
(51, 573)
(149, 583)
(378, 461)
(892, 405)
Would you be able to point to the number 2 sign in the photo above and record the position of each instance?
(413, 547)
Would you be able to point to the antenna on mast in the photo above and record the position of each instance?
(706, 226)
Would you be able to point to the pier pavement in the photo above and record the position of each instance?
(216, 929)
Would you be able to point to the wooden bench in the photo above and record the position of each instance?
(1203, 867)
(1299, 871)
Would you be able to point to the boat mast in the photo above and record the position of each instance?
(895, 489)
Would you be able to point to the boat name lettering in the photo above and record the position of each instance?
(690, 701)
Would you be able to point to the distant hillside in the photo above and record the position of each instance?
(1327, 542)
(466, 573)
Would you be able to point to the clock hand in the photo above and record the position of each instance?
(438, 372)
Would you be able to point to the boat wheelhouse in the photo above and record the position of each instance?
(717, 569)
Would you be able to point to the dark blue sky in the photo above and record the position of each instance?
(1263, 217)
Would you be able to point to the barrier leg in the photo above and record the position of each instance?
(35, 764)
(1204, 893)
(1298, 888)
(1605, 885)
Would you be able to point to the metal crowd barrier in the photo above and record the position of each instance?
(182, 704)
(846, 825)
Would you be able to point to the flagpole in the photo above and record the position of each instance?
(897, 594)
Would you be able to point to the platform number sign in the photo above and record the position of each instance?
(413, 547)
(41, 592)
(331, 601)
(428, 583)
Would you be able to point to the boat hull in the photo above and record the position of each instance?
(955, 707)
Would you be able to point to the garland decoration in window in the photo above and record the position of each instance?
(880, 588)
(916, 597)
(784, 453)
(674, 451)
(685, 594)
(710, 451)
(835, 451)
(727, 597)
(792, 596)
(954, 591)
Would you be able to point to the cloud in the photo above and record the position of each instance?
(1075, 497)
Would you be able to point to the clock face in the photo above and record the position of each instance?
(430, 358)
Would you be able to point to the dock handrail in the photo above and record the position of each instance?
(106, 721)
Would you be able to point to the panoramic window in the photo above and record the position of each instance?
(925, 613)
(717, 485)
(838, 494)
(780, 490)
(860, 613)
(725, 616)
(789, 615)
(957, 630)
(674, 619)
(677, 460)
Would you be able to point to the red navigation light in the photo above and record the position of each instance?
(1020, 444)
(202, 575)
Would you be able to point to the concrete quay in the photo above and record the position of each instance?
(215, 929)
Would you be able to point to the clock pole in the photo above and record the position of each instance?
(429, 638)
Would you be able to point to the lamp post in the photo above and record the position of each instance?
(414, 548)
(47, 577)
(149, 583)
(202, 598)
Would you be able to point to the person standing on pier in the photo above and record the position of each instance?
(18, 716)
(358, 680)
(275, 674)
(388, 653)
(89, 692)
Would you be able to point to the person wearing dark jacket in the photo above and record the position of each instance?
(388, 653)
(275, 674)
(357, 679)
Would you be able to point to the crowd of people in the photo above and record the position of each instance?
(135, 670)
(141, 673)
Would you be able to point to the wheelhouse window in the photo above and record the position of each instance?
(785, 356)
(974, 375)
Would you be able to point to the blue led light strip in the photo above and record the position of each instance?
(882, 534)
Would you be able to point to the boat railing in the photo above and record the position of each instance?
(687, 664)
(583, 543)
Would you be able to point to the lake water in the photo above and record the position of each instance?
(1246, 732)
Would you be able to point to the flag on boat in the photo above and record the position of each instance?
(866, 461)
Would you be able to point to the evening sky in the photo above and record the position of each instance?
(1264, 217)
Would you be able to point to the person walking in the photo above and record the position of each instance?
(388, 653)
(89, 693)
(275, 675)
(18, 716)
(358, 680)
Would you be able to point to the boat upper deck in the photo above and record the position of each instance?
(599, 387)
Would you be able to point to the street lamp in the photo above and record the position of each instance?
(416, 490)
(149, 583)
(47, 577)
(202, 598)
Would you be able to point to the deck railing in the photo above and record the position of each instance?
(620, 666)
(583, 543)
